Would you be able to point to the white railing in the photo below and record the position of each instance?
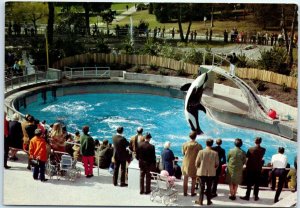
(39, 77)
(87, 72)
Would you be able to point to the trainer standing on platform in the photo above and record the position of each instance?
(253, 168)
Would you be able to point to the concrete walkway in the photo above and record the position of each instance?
(128, 12)
(19, 188)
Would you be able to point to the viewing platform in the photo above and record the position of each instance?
(21, 189)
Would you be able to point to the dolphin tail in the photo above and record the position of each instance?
(185, 87)
(199, 131)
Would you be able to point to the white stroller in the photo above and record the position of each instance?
(164, 189)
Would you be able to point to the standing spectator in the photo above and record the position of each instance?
(76, 146)
(235, 161)
(30, 129)
(38, 151)
(207, 162)
(253, 168)
(190, 151)
(206, 34)
(222, 160)
(192, 35)
(15, 136)
(16, 68)
(57, 138)
(168, 158)
(279, 163)
(127, 7)
(6, 138)
(225, 36)
(195, 35)
(173, 33)
(134, 140)
(163, 32)
(210, 34)
(233, 60)
(87, 150)
(146, 156)
(120, 156)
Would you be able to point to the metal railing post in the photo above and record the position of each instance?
(11, 83)
(83, 71)
(27, 79)
(35, 78)
(71, 73)
(203, 62)
(96, 71)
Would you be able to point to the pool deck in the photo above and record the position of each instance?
(20, 189)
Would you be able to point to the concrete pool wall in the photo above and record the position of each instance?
(125, 82)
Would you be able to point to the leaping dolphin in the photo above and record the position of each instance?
(192, 101)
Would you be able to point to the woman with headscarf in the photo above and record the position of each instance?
(167, 157)
(235, 161)
(15, 136)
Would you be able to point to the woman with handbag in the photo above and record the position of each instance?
(38, 155)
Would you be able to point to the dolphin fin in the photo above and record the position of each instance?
(185, 87)
(201, 107)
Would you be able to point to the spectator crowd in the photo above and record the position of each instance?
(204, 166)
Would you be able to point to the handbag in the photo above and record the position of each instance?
(34, 162)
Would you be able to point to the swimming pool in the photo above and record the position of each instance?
(162, 116)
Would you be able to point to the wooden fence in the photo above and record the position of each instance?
(250, 73)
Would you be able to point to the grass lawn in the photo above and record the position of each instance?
(219, 26)
(121, 6)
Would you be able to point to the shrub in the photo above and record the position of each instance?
(163, 72)
(153, 67)
(242, 60)
(192, 56)
(138, 69)
(260, 85)
(285, 88)
(150, 47)
(181, 72)
(274, 60)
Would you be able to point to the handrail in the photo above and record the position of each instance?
(94, 72)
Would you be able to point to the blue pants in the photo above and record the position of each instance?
(39, 171)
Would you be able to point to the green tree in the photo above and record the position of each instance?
(108, 16)
(27, 12)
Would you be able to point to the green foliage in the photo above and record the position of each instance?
(274, 60)
(163, 72)
(181, 72)
(143, 25)
(128, 46)
(192, 56)
(150, 9)
(141, 6)
(69, 47)
(285, 88)
(151, 47)
(242, 60)
(251, 64)
(138, 69)
(153, 67)
(102, 46)
(260, 85)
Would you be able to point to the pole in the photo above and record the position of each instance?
(47, 54)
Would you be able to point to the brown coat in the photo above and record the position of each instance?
(190, 151)
(207, 162)
(25, 135)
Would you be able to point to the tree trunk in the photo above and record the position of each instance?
(212, 17)
(50, 22)
(188, 31)
(284, 30)
(87, 18)
(179, 24)
(290, 50)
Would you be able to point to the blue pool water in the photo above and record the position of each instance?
(162, 116)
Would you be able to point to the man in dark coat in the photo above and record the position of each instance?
(253, 168)
(120, 156)
(146, 156)
(222, 160)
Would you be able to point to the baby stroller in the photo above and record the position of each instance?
(163, 189)
(62, 165)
